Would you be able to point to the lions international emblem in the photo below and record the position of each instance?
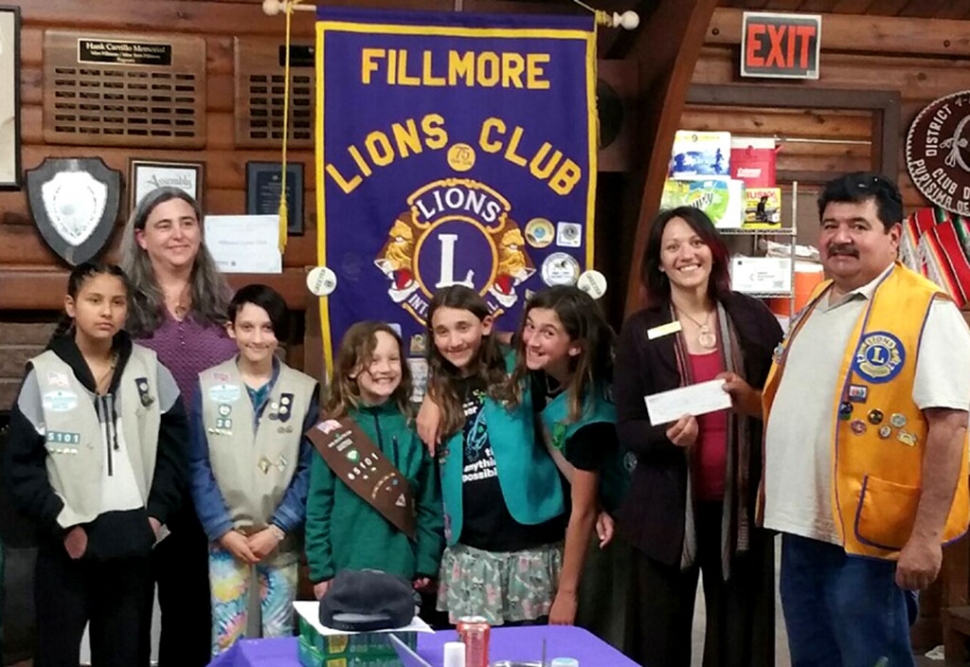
(455, 231)
(879, 357)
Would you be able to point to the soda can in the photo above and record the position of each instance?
(474, 632)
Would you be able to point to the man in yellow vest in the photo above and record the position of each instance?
(866, 410)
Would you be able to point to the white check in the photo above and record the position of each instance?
(695, 399)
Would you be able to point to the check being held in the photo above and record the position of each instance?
(695, 399)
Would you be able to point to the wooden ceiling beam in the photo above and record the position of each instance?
(853, 6)
(666, 50)
(852, 33)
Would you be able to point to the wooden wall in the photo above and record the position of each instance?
(921, 59)
(33, 278)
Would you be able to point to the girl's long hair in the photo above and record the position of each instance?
(583, 321)
(210, 291)
(488, 364)
(354, 355)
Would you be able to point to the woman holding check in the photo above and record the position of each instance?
(690, 507)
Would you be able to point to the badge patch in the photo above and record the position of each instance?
(225, 410)
(455, 231)
(858, 393)
(57, 379)
(59, 401)
(224, 393)
(879, 357)
(63, 438)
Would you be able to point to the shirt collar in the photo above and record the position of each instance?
(865, 291)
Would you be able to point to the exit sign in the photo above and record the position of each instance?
(781, 46)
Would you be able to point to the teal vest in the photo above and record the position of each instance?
(526, 473)
(597, 408)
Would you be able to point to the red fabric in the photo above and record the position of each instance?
(710, 451)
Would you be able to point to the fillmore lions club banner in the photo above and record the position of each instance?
(451, 148)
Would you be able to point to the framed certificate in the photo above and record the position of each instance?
(263, 186)
(147, 175)
(10, 104)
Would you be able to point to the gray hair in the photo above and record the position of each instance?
(210, 291)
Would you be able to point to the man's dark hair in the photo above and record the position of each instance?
(862, 186)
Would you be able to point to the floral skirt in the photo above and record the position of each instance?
(501, 586)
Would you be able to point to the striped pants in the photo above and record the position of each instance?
(229, 583)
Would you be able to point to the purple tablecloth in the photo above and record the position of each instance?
(506, 644)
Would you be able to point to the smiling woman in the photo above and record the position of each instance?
(178, 308)
(690, 506)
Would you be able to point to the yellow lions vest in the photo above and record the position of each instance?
(253, 464)
(75, 443)
(880, 434)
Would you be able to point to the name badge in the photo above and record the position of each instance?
(664, 330)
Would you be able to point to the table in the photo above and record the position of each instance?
(523, 643)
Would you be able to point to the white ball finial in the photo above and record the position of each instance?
(272, 7)
(628, 19)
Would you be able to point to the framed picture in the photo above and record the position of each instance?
(263, 187)
(10, 104)
(147, 175)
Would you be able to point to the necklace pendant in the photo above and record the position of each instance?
(707, 339)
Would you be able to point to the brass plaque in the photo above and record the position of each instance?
(259, 88)
(124, 90)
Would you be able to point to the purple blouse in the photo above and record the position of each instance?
(187, 348)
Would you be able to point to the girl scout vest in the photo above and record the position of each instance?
(597, 408)
(75, 441)
(880, 434)
(253, 463)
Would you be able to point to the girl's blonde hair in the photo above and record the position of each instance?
(353, 357)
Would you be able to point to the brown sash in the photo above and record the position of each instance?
(359, 464)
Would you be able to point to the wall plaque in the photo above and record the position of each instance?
(259, 86)
(938, 152)
(74, 203)
(124, 90)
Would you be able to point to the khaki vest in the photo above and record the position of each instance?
(880, 433)
(253, 467)
(75, 442)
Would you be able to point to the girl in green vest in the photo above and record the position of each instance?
(503, 499)
(564, 354)
(371, 385)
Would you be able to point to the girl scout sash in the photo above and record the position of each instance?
(356, 460)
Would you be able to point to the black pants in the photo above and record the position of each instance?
(111, 595)
(740, 611)
(180, 567)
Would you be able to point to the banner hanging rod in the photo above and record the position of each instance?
(628, 20)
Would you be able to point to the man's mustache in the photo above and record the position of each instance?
(846, 249)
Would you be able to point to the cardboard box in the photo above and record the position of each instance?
(762, 209)
(763, 275)
(325, 647)
(699, 154)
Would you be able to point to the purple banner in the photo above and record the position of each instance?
(451, 148)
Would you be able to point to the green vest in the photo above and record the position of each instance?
(598, 407)
(527, 474)
(253, 464)
(75, 442)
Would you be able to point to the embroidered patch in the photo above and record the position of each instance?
(59, 401)
(879, 357)
(224, 393)
(63, 438)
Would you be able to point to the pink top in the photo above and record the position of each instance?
(710, 450)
